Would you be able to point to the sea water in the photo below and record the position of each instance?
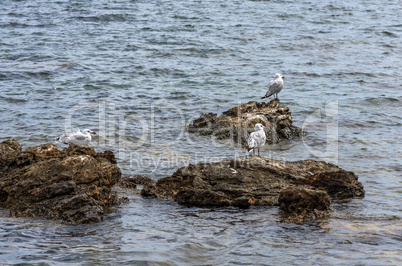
(138, 72)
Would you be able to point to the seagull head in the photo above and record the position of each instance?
(277, 75)
(88, 131)
(259, 126)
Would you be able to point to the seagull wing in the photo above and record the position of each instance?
(251, 142)
(79, 137)
(261, 138)
(275, 86)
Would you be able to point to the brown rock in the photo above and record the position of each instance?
(339, 184)
(237, 123)
(132, 182)
(302, 204)
(9, 146)
(73, 184)
(253, 180)
(127, 182)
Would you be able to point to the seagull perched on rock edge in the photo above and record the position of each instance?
(79, 138)
(256, 139)
(275, 86)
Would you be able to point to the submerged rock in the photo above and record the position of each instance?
(237, 123)
(73, 184)
(253, 180)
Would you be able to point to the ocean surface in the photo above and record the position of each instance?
(138, 72)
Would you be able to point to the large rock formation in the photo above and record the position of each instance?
(243, 182)
(237, 123)
(73, 184)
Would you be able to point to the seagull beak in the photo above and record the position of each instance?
(92, 132)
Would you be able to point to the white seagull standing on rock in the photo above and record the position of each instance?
(256, 139)
(79, 138)
(274, 86)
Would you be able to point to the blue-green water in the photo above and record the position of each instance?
(137, 72)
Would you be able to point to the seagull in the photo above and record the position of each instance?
(256, 139)
(275, 86)
(79, 138)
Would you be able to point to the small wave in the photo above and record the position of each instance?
(73, 65)
(24, 25)
(105, 18)
(185, 17)
(41, 74)
(204, 52)
(143, 96)
(14, 75)
(339, 74)
(91, 87)
(381, 100)
(174, 73)
(3, 76)
(179, 93)
(177, 97)
(131, 47)
(389, 34)
(13, 100)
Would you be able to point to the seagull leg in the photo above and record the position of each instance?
(258, 151)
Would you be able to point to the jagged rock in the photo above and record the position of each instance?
(132, 182)
(340, 184)
(238, 122)
(127, 182)
(301, 204)
(9, 146)
(253, 180)
(73, 184)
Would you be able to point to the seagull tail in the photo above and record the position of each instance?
(248, 148)
(266, 96)
(63, 139)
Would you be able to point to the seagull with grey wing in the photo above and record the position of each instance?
(256, 139)
(79, 138)
(275, 86)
